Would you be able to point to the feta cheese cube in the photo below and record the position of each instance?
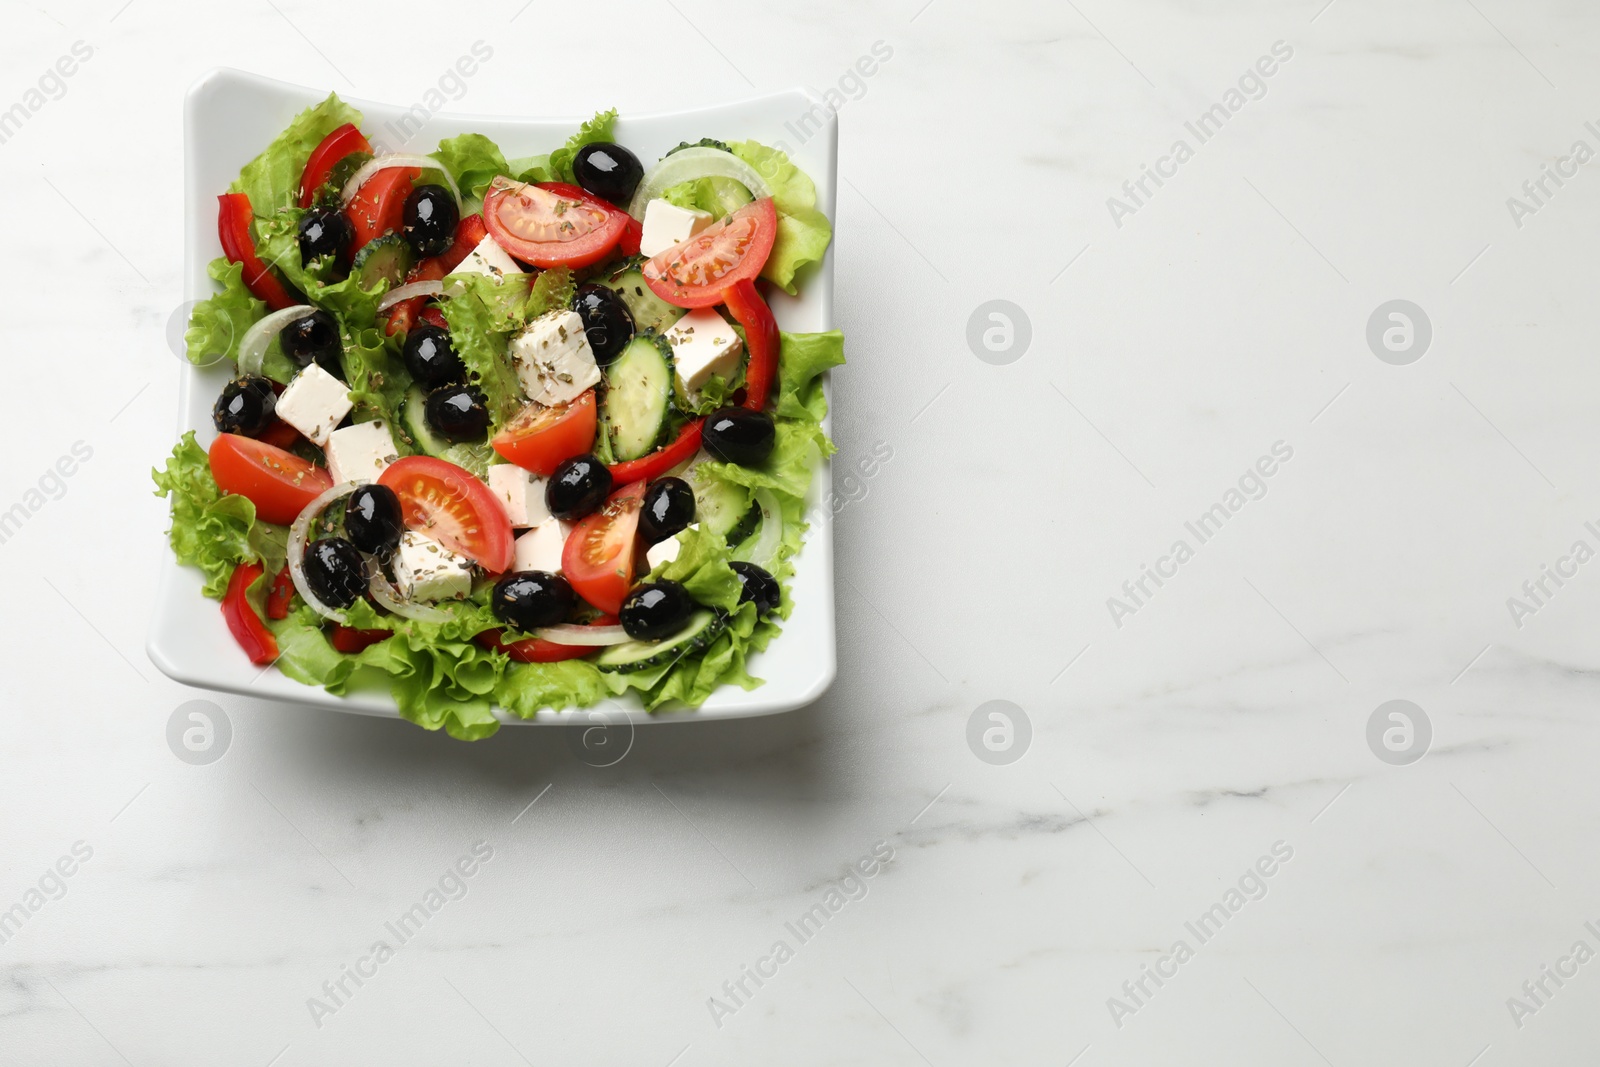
(703, 344)
(667, 224)
(489, 258)
(426, 570)
(540, 548)
(314, 403)
(666, 551)
(361, 452)
(553, 359)
(521, 492)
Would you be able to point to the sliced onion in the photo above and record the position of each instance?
(692, 164)
(297, 548)
(582, 635)
(389, 597)
(409, 290)
(253, 345)
(763, 551)
(377, 163)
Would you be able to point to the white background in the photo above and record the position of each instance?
(1229, 312)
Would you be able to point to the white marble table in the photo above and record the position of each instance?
(1183, 741)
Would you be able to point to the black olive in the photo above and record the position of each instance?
(739, 435)
(527, 600)
(607, 322)
(373, 520)
(430, 219)
(246, 406)
(333, 568)
(609, 171)
(668, 508)
(457, 412)
(757, 585)
(314, 337)
(655, 610)
(326, 232)
(578, 486)
(431, 358)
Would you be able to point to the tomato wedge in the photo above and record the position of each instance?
(470, 232)
(280, 484)
(243, 622)
(448, 504)
(379, 207)
(233, 230)
(761, 340)
(598, 558)
(552, 224)
(695, 274)
(653, 466)
(538, 650)
(541, 437)
(327, 155)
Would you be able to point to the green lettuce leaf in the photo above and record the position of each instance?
(473, 161)
(803, 231)
(802, 357)
(218, 323)
(272, 179)
(480, 317)
(210, 530)
(596, 129)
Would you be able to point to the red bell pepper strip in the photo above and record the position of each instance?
(280, 594)
(538, 650)
(470, 232)
(327, 155)
(434, 317)
(233, 228)
(243, 622)
(404, 314)
(657, 463)
(349, 640)
(760, 340)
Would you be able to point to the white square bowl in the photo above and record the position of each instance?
(230, 116)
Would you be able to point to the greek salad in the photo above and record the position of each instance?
(514, 433)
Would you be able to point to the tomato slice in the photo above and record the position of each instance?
(327, 155)
(541, 437)
(695, 274)
(657, 463)
(448, 504)
(379, 207)
(538, 650)
(233, 230)
(280, 484)
(243, 622)
(598, 558)
(553, 224)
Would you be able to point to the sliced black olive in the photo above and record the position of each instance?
(457, 412)
(314, 337)
(431, 358)
(430, 218)
(333, 569)
(527, 600)
(578, 486)
(373, 519)
(755, 584)
(668, 508)
(326, 232)
(246, 406)
(607, 322)
(739, 435)
(655, 610)
(607, 170)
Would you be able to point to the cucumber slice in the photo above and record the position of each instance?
(638, 396)
(650, 312)
(721, 507)
(701, 629)
(387, 258)
(414, 424)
